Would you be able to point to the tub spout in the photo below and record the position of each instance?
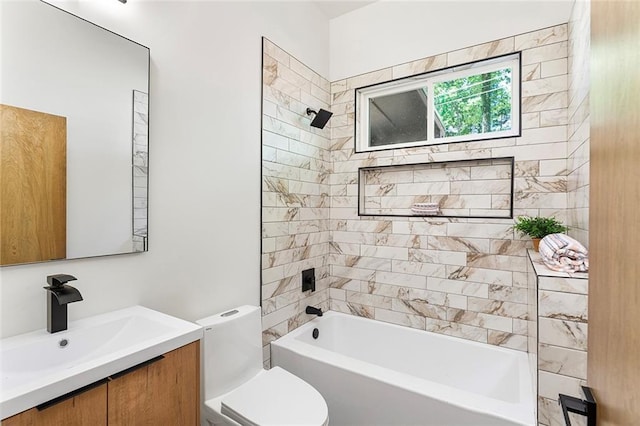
(313, 311)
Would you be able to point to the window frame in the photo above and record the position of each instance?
(427, 80)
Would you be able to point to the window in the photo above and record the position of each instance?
(471, 102)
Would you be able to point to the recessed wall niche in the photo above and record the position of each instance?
(479, 188)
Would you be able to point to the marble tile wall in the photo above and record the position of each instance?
(461, 188)
(140, 168)
(296, 165)
(461, 277)
(562, 339)
(578, 125)
(532, 326)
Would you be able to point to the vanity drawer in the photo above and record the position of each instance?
(87, 406)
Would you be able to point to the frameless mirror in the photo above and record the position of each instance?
(74, 146)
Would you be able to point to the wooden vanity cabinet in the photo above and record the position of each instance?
(88, 407)
(161, 391)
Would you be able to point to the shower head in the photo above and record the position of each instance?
(321, 118)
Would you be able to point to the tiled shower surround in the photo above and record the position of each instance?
(458, 276)
(296, 165)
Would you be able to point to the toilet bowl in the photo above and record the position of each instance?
(238, 391)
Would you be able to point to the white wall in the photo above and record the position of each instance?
(204, 230)
(388, 33)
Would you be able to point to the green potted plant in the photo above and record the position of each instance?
(538, 227)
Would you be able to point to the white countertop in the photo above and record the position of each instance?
(36, 368)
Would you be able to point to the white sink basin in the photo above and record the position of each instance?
(38, 366)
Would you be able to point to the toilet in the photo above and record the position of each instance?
(238, 391)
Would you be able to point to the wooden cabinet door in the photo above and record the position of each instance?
(162, 392)
(33, 177)
(84, 409)
(614, 221)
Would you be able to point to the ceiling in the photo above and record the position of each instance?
(333, 9)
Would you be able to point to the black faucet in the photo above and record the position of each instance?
(313, 311)
(60, 294)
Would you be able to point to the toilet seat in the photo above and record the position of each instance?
(275, 398)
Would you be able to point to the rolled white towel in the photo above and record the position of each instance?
(560, 252)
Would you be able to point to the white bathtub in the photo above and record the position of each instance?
(373, 373)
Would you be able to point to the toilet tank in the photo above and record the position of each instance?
(231, 350)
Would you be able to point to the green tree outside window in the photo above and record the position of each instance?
(475, 104)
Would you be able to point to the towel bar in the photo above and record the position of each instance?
(586, 407)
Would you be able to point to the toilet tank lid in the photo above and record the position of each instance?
(226, 316)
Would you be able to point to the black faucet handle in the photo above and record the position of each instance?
(59, 280)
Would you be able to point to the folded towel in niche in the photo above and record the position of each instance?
(560, 252)
(425, 208)
(425, 211)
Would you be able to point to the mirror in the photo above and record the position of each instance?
(74, 145)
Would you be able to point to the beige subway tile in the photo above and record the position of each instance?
(478, 319)
(498, 307)
(352, 308)
(352, 273)
(544, 102)
(414, 321)
(507, 340)
(542, 37)
(379, 76)
(534, 184)
(367, 299)
(419, 307)
(538, 151)
(418, 268)
(544, 53)
(400, 253)
(436, 242)
(481, 51)
(428, 227)
(464, 288)
(553, 167)
(559, 360)
(420, 66)
(480, 275)
(508, 293)
(544, 86)
(530, 72)
(553, 68)
(566, 306)
(338, 86)
(567, 334)
(550, 385)
(405, 280)
(477, 334)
